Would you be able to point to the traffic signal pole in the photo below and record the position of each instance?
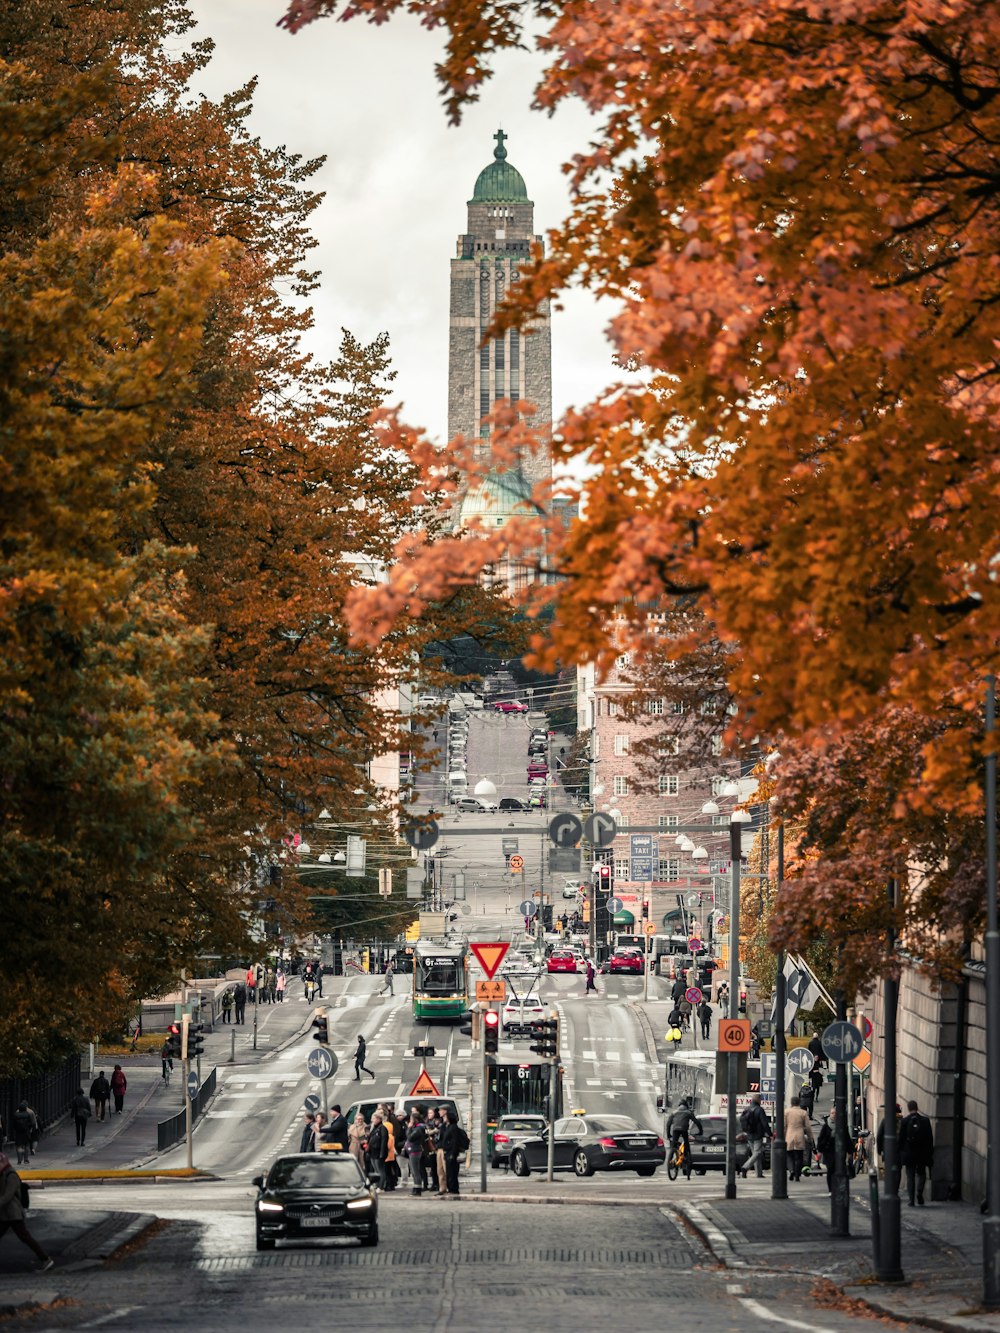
(185, 1068)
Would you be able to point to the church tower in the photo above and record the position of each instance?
(497, 241)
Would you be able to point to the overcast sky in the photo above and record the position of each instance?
(397, 179)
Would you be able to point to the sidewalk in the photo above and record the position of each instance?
(942, 1248)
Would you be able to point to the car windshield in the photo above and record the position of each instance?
(523, 1123)
(611, 1124)
(317, 1172)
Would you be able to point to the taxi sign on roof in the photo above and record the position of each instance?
(490, 956)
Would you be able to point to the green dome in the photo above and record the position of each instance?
(500, 183)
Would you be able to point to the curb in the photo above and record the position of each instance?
(123, 1177)
(715, 1241)
(30, 1303)
(647, 1031)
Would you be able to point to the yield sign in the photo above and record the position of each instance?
(490, 956)
(424, 1086)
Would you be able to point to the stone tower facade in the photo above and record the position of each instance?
(497, 241)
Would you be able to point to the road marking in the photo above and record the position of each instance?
(120, 1313)
(593, 1082)
(612, 1055)
(588, 1055)
(735, 1288)
(385, 1055)
(762, 1312)
(638, 1058)
(619, 1083)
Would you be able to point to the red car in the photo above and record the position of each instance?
(538, 770)
(561, 960)
(625, 962)
(510, 706)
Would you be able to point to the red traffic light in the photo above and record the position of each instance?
(174, 1029)
(491, 1018)
(605, 872)
(491, 1032)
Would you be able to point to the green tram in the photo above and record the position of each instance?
(521, 1088)
(440, 980)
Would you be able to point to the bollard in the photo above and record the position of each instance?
(232, 1046)
(876, 1220)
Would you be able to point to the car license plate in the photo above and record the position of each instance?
(714, 1147)
(315, 1222)
(637, 1143)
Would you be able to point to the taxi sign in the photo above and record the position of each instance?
(424, 1086)
(517, 862)
(488, 991)
(734, 1034)
(490, 955)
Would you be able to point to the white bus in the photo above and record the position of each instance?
(701, 1077)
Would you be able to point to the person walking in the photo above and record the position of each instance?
(387, 984)
(916, 1150)
(357, 1136)
(12, 1212)
(456, 1144)
(119, 1085)
(416, 1139)
(21, 1122)
(80, 1106)
(36, 1129)
(240, 1001)
(798, 1136)
(359, 1060)
(279, 987)
(705, 1019)
(378, 1149)
(227, 1005)
(100, 1091)
(308, 1130)
(816, 1080)
(757, 1127)
(394, 1141)
(826, 1146)
(591, 978)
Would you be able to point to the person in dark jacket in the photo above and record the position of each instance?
(100, 1091)
(916, 1150)
(80, 1107)
(240, 1001)
(826, 1146)
(118, 1086)
(453, 1140)
(757, 1128)
(705, 1019)
(12, 1211)
(378, 1148)
(308, 1129)
(416, 1138)
(336, 1130)
(22, 1123)
(359, 1059)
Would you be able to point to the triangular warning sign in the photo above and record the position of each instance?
(490, 956)
(424, 1086)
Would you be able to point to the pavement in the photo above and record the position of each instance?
(941, 1244)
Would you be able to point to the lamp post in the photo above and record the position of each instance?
(991, 1222)
(737, 820)
(779, 1147)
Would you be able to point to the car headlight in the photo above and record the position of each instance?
(265, 1206)
(360, 1203)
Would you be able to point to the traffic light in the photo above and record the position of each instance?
(547, 1032)
(645, 910)
(491, 1032)
(196, 1042)
(604, 876)
(174, 1041)
(322, 1025)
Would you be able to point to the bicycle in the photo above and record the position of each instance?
(860, 1159)
(677, 1161)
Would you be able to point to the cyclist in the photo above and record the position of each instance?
(677, 1129)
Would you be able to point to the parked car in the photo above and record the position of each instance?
(571, 890)
(521, 1015)
(309, 1196)
(510, 1131)
(588, 1143)
(512, 803)
(510, 706)
(538, 770)
(476, 804)
(538, 799)
(561, 960)
(708, 1149)
(538, 747)
(626, 960)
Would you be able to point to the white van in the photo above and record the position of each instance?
(470, 701)
(458, 785)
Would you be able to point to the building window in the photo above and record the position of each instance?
(717, 744)
(515, 361)
(612, 708)
(670, 869)
(621, 870)
(669, 745)
(620, 785)
(666, 821)
(623, 661)
(678, 706)
(595, 746)
(720, 821)
(621, 746)
(669, 784)
(654, 706)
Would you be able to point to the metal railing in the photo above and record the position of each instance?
(169, 1132)
(49, 1095)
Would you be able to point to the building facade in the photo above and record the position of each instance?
(497, 241)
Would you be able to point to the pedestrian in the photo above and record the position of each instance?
(308, 1131)
(378, 1149)
(722, 996)
(252, 985)
(357, 1136)
(815, 1047)
(80, 1106)
(12, 1205)
(816, 1080)
(453, 1142)
(705, 1019)
(359, 1060)
(591, 978)
(279, 987)
(677, 990)
(441, 1160)
(429, 1162)
(119, 1084)
(319, 1120)
(806, 1098)
(757, 1127)
(21, 1124)
(387, 984)
(100, 1091)
(227, 1005)
(240, 1001)
(880, 1142)
(338, 1130)
(826, 1146)
(394, 1142)
(36, 1130)
(916, 1150)
(798, 1136)
(416, 1138)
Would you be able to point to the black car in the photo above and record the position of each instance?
(708, 1149)
(511, 803)
(310, 1196)
(510, 1131)
(588, 1143)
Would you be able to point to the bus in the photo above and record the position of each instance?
(701, 1077)
(521, 1089)
(440, 980)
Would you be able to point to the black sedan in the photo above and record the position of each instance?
(311, 1196)
(588, 1143)
(510, 1131)
(708, 1149)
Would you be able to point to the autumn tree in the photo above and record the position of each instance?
(795, 206)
